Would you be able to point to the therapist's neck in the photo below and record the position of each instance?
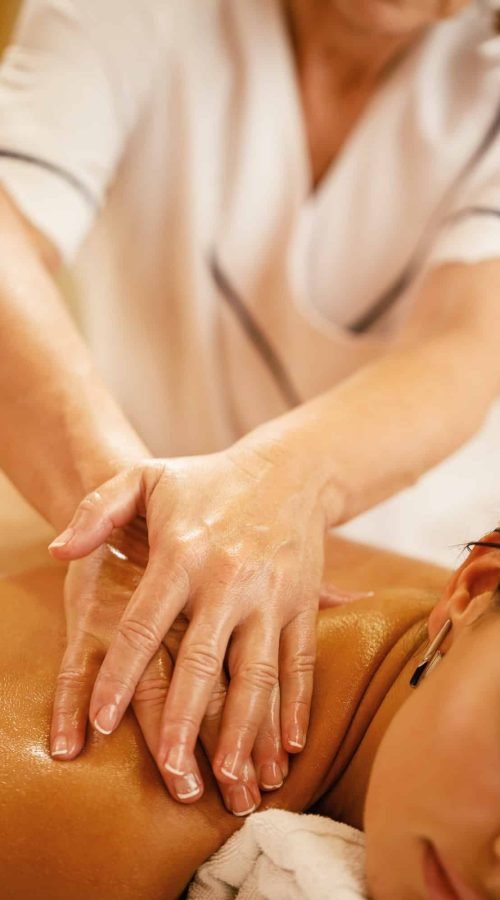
(354, 52)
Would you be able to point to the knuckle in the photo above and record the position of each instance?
(201, 660)
(71, 680)
(233, 559)
(91, 502)
(184, 538)
(282, 581)
(114, 683)
(139, 636)
(151, 691)
(230, 557)
(299, 664)
(259, 674)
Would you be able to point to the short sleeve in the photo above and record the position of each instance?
(72, 84)
(470, 228)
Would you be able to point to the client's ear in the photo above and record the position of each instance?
(467, 594)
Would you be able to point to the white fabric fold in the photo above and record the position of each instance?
(280, 855)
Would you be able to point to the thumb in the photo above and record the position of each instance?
(112, 505)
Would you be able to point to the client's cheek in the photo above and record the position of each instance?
(393, 865)
(402, 805)
(392, 860)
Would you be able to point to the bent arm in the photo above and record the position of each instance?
(380, 429)
(62, 432)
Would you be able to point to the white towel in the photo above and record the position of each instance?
(280, 855)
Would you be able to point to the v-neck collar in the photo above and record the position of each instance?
(313, 193)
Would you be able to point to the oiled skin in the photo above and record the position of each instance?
(103, 826)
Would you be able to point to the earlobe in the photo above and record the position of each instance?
(444, 608)
(439, 615)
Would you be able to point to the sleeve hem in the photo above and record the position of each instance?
(469, 240)
(52, 205)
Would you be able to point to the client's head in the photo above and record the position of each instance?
(432, 814)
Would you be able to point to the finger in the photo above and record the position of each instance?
(198, 666)
(332, 596)
(149, 697)
(253, 666)
(148, 702)
(269, 757)
(114, 504)
(242, 797)
(74, 684)
(162, 593)
(297, 656)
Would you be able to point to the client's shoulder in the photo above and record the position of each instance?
(362, 633)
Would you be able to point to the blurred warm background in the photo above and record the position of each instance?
(8, 12)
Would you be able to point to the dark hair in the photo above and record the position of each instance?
(493, 544)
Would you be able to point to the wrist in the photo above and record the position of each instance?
(94, 443)
(295, 443)
(87, 475)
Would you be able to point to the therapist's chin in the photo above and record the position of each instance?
(396, 18)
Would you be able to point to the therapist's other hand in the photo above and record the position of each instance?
(236, 544)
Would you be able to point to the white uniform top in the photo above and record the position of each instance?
(160, 144)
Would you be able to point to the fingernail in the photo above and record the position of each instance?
(296, 737)
(178, 761)
(59, 746)
(187, 786)
(231, 766)
(241, 802)
(270, 777)
(106, 719)
(62, 539)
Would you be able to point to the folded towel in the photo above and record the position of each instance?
(280, 855)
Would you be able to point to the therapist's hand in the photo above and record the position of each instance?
(236, 544)
(97, 591)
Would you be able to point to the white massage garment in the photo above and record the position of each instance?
(280, 855)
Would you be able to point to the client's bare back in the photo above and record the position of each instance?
(103, 826)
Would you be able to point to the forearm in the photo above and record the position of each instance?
(380, 429)
(62, 433)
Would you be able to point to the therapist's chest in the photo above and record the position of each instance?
(329, 116)
(235, 155)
